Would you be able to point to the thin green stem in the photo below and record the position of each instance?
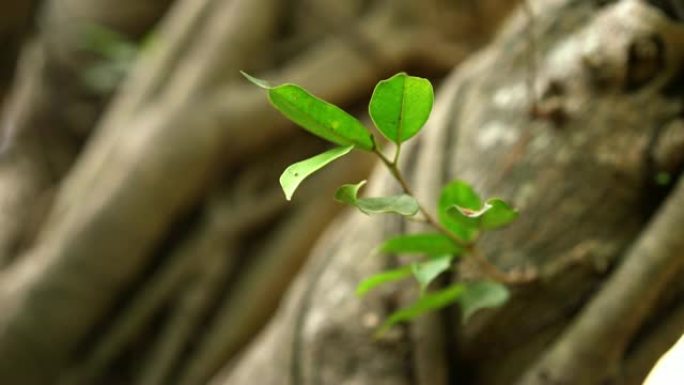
(396, 155)
(394, 170)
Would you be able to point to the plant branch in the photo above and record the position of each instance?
(470, 249)
(396, 173)
(396, 154)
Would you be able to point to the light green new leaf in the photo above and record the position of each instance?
(426, 272)
(296, 173)
(431, 301)
(348, 193)
(498, 215)
(399, 204)
(403, 204)
(461, 194)
(317, 116)
(428, 244)
(481, 295)
(401, 105)
(376, 280)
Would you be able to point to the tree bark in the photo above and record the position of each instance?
(157, 243)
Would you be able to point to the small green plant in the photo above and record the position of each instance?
(400, 107)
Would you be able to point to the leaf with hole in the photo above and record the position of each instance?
(498, 215)
(296, 173)
(426, 272)
(461, 194)
(401, 105)
(428, 244)
(317, 116)
(402, 204)
(494, 214)
(376, 280)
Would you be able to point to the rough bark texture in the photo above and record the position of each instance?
(579, 162)
(169, 175)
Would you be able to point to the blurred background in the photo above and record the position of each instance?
(144, 238)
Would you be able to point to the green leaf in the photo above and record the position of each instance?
(498, 215)
(399, 204)
(471, 297)
(402, 204)
(431, 301)
(401, 105)
(482, 295)
(426, 272)
(296, 173)
(317, 116)
(494, 214)
(348, 193)
(461, 194)
(429, 244)
(376, 280)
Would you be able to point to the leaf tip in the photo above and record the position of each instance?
(257, 82)
(288, 194)
(288, 189)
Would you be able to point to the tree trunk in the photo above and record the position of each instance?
(144, 239)
(153, 211)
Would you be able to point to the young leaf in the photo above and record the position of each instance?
(498, 215)
(376, 280)
(317, 116)
(403, 204)
(461, 194)
(428, 244)
(426, 272)
(431, 301)
(401, 105)
(399, 204)
(348, 193)
(296, 173)
(471, 297)
(481, 295)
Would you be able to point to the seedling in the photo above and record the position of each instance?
(400, 107)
